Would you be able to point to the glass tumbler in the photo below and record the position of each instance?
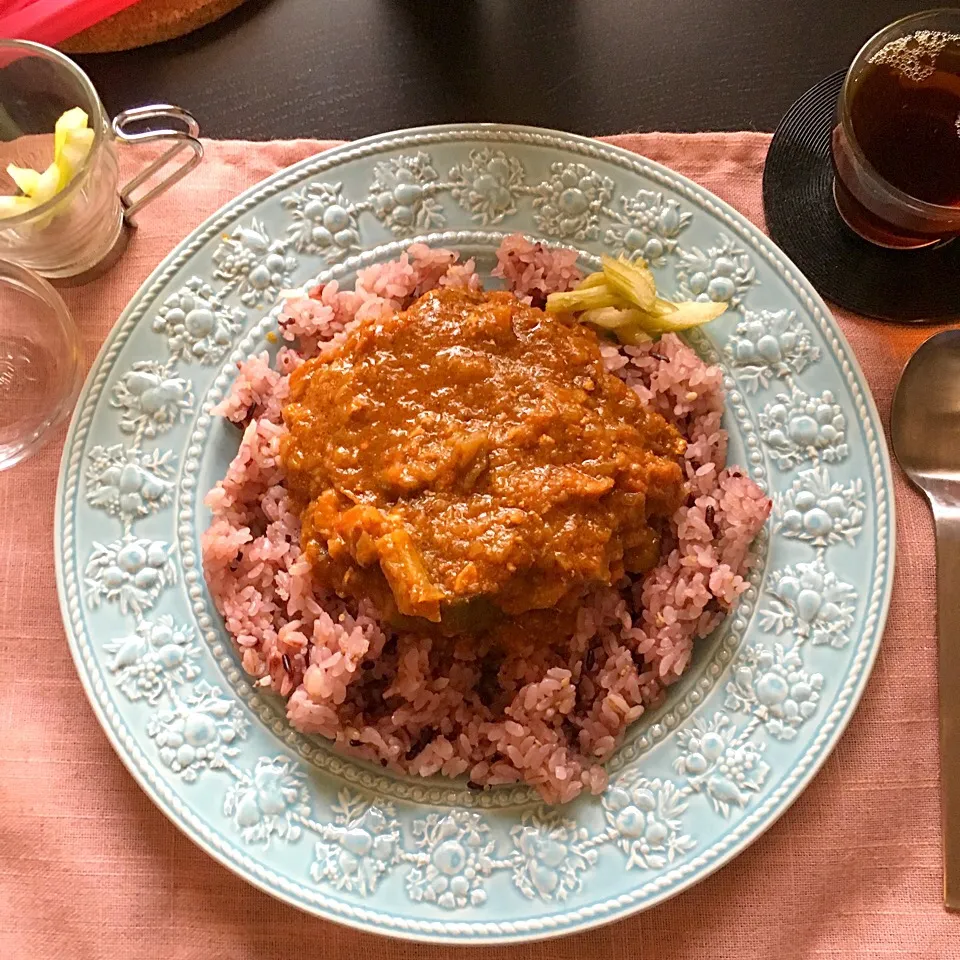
(40, 362)
(82, 230)
(896, 145)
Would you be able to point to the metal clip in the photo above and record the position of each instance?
(183, 139)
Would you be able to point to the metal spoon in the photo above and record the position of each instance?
(925, 430)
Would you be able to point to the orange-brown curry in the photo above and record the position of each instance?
(474, 449)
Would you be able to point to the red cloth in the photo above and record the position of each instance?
(89, 868)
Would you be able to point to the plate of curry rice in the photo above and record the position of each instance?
(475, 533)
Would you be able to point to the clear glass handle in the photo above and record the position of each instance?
(183, 136)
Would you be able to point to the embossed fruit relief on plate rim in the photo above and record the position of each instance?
(697, 780)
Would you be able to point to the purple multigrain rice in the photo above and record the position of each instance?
(538, 715)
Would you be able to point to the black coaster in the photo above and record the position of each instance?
(906, 286)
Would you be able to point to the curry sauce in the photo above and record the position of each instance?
(474, 450)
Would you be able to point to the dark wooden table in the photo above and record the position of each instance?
(347, 68)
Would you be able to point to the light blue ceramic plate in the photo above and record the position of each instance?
(738, 739)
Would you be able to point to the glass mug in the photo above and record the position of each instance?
(82, 230)
(896, 146)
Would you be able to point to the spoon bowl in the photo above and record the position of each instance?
(925, 420)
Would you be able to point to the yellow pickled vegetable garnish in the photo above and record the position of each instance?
(611, 318)
(622, 299)
(584, 298)
(592, 280)
(632, 334)
(44, 186)
(14, 206)
(76, 146)
(670, 317)
(26, 179)
(68, 122)
(72, 140)
(633, 281)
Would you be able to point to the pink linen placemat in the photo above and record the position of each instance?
(89, 868)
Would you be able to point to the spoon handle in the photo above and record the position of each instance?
(948, 617)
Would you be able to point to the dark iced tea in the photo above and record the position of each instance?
(900, 129)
